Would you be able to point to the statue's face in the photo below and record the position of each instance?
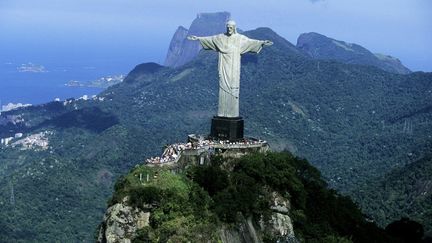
(230, 29)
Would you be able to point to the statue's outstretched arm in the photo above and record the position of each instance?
(267, 43)
(192, 37)
(207, 42)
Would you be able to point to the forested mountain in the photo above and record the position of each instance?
(322, 47)
(260, 197)
(404, 192)
(355, 123)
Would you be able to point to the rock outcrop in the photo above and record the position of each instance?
(121, 223)
(181, 50)
(281, 223)
(175, 50)
(320, 46)
(279, 226)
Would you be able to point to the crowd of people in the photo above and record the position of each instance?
(173, 152)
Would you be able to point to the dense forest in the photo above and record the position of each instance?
(405, 192)
(355, 123)
(193, 205)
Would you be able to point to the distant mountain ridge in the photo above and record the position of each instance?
(182, 50)
(314, 45)
(319, 46)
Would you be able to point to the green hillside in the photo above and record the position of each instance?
(352, 122)
(196, 204)
(404, 192)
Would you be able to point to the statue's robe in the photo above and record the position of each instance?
(230, 49)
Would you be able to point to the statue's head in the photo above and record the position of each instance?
(231, 27)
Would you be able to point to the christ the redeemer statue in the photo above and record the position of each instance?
(230, 47)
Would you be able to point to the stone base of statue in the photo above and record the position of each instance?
(227, 128)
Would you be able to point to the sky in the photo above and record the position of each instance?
(136, 31)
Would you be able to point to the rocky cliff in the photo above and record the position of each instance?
(129, 219)
(181, 50)
(125, 223)
(322, 47)
(259, 197)
(175, 50)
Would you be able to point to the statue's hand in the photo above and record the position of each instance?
(268, 43)
(192, 37)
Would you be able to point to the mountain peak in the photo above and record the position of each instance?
(216, 15)
(181, 50)
(319, 46)
(265, 33)
(182, 28)
(141, 70)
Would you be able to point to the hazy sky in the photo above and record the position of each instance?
(136, 31)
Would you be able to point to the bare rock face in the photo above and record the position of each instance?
(244, 232)
(181, 50)
(175, 49)
(280, 223)
(322, 47)
(121, 223)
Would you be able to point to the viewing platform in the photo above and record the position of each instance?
(198, 150)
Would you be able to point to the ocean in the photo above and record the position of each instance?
(37, 83)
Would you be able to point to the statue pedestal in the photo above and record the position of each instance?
(227, 128)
